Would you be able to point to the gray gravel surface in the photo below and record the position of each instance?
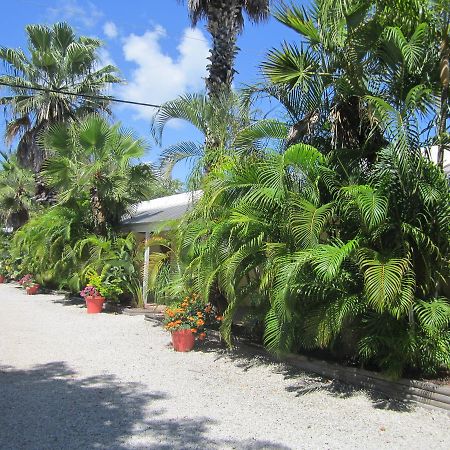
(69, 380)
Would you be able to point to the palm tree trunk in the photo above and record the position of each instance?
(29, 154)
(444, 77)
(98, 213)
(224, 26)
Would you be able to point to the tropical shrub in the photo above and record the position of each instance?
(335, 255)
(59, 249)
(44, 246)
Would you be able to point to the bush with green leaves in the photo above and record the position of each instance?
(59, 249)
(44, 246)
(335, 255)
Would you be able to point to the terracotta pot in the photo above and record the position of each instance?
(33, 289)
(95, 304)
(183, 340)
(2, 279)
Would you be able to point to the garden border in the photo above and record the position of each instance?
(409, 391)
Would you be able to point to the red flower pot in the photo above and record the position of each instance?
(2, 279)
(95, 304)
(33, 289)
(183, 340)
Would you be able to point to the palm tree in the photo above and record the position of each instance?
(350, 58)
(332, 249)
(225, 20)
(219, 120)
(16, 192)
(325, 260)
(58, 62)
(93, 161)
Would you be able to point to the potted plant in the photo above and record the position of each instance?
(98, 290)
(25, 279)
(186, 320)
(30, 285)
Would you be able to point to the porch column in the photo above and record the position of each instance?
(146, 263)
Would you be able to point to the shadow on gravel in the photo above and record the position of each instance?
(69, 301)
(48, 406)
(246, 357)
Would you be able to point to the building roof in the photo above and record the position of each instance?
(151, 214)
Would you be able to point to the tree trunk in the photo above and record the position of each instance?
(224, 24)
(98, 213)
(29, 154)
(444, 77)
(17, 219)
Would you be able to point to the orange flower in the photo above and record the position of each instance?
(191, 318)
(208, 309)
(170, 313)
(178, 322)
(219, 318)
(200, 314)
(194, 330)
(202, 336)
(200, 322)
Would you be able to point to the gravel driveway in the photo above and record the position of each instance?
(71, 380)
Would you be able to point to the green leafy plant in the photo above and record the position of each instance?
(106, 284)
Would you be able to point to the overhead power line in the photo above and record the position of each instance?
(74, 94)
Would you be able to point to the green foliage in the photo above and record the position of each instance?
(355, 269)
(44, 246)
(92, 161)
(58, 60)
(58, 248)
(106, 284)
(17, 189)
(219, 120)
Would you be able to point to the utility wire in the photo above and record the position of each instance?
(74, 94)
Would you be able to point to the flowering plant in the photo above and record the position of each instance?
(27, 280)
(191, 313)
(89, 291)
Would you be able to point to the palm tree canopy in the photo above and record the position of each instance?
(57, 61)
(218, 120)
(92, 160)
(256, 10)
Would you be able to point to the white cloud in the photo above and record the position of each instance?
(159, 77)
(105, 58)
(110, 30)
(70, 10)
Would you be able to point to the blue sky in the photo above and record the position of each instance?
(151, 41)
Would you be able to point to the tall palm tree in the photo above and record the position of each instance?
(58, 62)
(92, 161)
(225, 20)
